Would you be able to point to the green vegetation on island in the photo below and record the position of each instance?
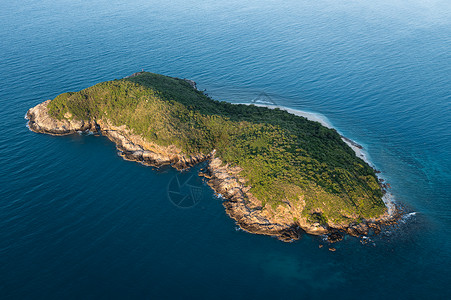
(284, 157)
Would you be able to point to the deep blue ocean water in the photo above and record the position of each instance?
(78, 222)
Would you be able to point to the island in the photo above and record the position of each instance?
(279, 174)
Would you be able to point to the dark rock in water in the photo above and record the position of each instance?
(352, 142)
(375, 227)
(335, 236)
(290, 234)
(355, 229)
(191, 83)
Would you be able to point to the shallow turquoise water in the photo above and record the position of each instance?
(76, 221)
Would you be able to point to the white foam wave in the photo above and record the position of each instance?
(86, 132)
(389, 201)
(408, 216)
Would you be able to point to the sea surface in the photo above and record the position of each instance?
(79, 222)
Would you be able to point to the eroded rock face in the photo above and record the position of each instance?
(131, 146)
(284, 222)
(134, 148)
(41, 121)
(335, 236)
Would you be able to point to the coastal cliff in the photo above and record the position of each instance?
(283, 205)
(40, 121)
(131, 146)
(287, 221)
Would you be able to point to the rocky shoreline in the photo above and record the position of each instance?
(284, 222)
(131, 147)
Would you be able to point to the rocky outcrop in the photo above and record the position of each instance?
(192, 83)
(131, 146)
(284, 222)
(41, 121)
(134, 148)
(351, 142)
